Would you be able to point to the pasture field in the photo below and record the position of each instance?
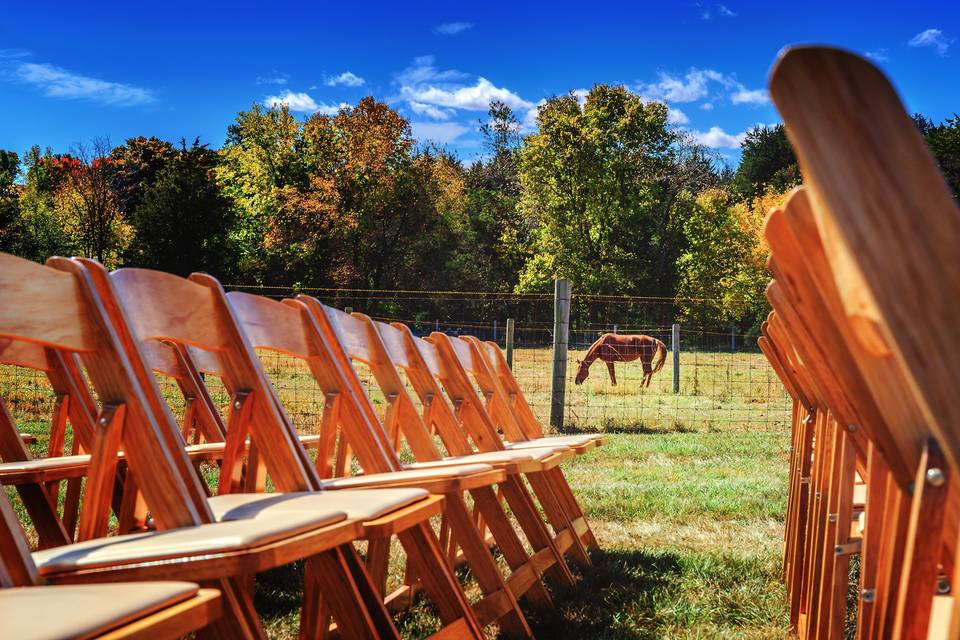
(687, 498)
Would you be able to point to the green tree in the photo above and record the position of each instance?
(608, 184)
(766, 161)
(9, 200)
(497, 243)
(943, 140)
(182, 221)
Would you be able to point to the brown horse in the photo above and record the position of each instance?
(612, 347)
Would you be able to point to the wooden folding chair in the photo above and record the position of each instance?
(150, 305)
(453, 409)
(60, 310)
(357, 338)
(107, 612)
(291, 330)
(873, 222)
(464, 371)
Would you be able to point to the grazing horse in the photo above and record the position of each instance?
(612, 347)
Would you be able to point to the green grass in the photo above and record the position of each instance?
(687, 499)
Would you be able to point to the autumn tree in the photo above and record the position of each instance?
(134, 165)
(39, 233)
(86, 205)
(722, 273)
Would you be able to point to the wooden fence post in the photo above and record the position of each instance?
(675, 347)
(510, 343)
(561, 329)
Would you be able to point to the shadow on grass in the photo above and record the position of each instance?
(618, 597)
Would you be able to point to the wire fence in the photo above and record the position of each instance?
(724, 380)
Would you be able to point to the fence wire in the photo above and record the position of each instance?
(724, 380)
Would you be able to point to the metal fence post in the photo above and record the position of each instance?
(675, 347)
(733, 337)
(510, 343)
(561, 328)
(494, 330)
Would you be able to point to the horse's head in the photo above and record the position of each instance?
(582, 372)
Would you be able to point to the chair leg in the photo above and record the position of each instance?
(239, 619)
(521, 503)
(558, 518)
(512, 547)
(499, 603)
(569, 502)
(437, 578)
(352, 599)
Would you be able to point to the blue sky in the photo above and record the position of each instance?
(70, 72)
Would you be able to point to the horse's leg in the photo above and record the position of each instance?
(613, 376)
(647, 371)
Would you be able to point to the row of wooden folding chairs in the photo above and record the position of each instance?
(863, 335)
(147, 321)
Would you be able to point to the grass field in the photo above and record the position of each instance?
(687, 499)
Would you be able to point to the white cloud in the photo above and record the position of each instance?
(60, 83)
(440, 132)
(932, 38)
(675, 116)
(700, 84)
(302, 102)
(717, 138)
(707, 106)
(274, 78)
(430, 111)
(347, 79)
(692, 87)
(476, 97)
(878, 55)
(529, 121)
(423, 71)
(724, 11)
(750, 96)
(452, 28)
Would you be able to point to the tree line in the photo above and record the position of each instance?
(603, 192)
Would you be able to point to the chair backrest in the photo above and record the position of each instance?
(868, 289)
(356, 337)
(463, 353)
(290, 328)
(865, 166)
(58, 308)
(469, 409)
(497, 363)
(151, 305)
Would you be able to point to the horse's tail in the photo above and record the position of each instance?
(661, 355)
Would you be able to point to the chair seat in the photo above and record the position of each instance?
(233, 534)
(408, 476)
(362, 504)
(83, 611)
(859, 495)
(579, 440)
(491, 457)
